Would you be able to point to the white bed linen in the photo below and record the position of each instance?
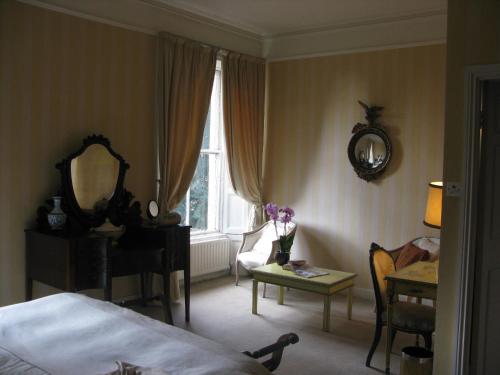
(72, 334)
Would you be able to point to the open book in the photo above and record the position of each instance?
(301, 268)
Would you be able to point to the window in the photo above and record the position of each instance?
(204, 204)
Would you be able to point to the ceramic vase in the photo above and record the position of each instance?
(56, 217)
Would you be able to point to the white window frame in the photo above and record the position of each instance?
(215, 183)
(222, 223)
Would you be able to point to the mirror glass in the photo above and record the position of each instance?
(153, 209)
(370, 151)
(94, 176)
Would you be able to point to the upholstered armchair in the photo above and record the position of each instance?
(260, 246)
(408, 317)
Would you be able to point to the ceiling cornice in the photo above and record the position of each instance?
(359, 23)
(204, 19)
(201, 16)
(153, 16)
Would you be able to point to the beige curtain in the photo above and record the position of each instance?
(185, 74)
(243, 98)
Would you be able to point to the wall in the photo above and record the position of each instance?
(473, 38)
(312, 108)
(63, 78)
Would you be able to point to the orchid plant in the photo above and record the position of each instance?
(283, 215)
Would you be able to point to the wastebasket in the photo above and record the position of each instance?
(416, 361)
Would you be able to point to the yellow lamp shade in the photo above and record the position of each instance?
(434, 205)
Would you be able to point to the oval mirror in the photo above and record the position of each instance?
(92, 183)
(94, 177)
(153, 210)
(369, 149)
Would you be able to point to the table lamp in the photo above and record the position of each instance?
(434, 205)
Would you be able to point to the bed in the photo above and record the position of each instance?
(70, 333)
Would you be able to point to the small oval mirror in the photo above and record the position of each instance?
(153, 210)
(370, 151)
(370, 148)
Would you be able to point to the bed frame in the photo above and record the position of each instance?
(275, 349)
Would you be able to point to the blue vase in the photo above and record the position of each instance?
(56, 217)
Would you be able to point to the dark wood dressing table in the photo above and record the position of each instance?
(76, 258)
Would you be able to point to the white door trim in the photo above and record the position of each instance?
(474, 79)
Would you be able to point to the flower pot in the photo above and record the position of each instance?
(282, 257)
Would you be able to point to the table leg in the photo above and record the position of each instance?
(388, 347)
(349, 303)
(281, 296)
(255, 292)
(187, 293)
(326, 313)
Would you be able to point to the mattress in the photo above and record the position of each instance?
(72, 334)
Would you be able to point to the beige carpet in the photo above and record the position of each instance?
(222, 312)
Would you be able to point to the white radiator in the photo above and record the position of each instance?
(210, 256)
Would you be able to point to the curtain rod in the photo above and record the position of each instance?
(220, 51)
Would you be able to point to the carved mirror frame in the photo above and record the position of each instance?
(360, 130)
(88, 219)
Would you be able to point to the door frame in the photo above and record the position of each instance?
(475, 76)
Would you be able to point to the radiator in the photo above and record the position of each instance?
(210, 256)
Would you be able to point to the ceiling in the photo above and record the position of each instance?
(271, 18)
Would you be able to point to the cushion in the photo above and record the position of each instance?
(413, 316)
(264, 245)
(410, 254)
(384, 265)
(431, 244)
(252, 259)
(125, 368)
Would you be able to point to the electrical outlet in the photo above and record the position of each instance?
(453, 189)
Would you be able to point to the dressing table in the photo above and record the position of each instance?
(79, 256)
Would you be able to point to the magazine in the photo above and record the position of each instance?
(301, 268)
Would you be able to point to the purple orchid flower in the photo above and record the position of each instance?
(286, 217)
(273, 211)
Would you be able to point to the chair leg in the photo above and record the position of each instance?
(428, 340)
(376, 340)
(166, 299)
(393, 336)
(264, 291)
(236, 266)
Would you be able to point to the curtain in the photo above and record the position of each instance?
(184, 77)
(243, 104)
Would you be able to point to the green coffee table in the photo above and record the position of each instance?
(326, 285)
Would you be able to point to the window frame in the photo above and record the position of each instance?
(220, 154)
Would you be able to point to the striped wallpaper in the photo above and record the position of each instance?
(61, 79)
(312, 107)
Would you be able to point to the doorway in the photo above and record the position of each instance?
(479, 302)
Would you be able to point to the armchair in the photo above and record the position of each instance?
(407, 317)
(259, 246)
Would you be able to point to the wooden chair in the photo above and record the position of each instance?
(259, 247)
(408, 317)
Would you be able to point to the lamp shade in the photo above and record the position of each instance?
(434, 205)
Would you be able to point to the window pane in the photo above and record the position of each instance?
(206, 133)
(198, 202)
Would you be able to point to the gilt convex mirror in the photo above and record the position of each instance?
(92, 180)
(370, 148)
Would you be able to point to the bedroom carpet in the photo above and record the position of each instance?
(221, 311)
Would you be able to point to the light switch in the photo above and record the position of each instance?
(453, 189)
